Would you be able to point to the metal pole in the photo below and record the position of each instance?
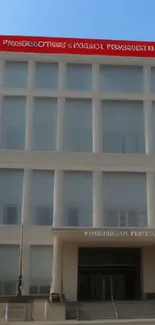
(20, 275)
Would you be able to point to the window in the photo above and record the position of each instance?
(11, 192)
(78, 199)
(133, 218)
(153, 79)
(42, 197)
(40, 276)
(79, 77)
(123, 127)
(44, 216)
(111, 218)
(46, 76)
(13, 122)
(125, 200)
(9, 269)
(78, 125)
(45, 124)
(73, 217)
(121, 79)
(15, 74)
(10, 215)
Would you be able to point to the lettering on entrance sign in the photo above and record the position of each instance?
(120, 233)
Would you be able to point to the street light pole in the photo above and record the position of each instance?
(20, 274)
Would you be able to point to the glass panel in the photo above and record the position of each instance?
(153, 80)
(9, 288)
(131, 143)
(33, 290)
(42, 197)
(122, 218)
(111, 218)
(13, 122)
(11, 191)
(73, 217)
(44, 290)
(121, 79)
(78, 194)
(125, 192)
(9, 268)
(40, 256)
(132, 218)
(45, 124)
(78, 125)
(113, 142)
(44, 216)
(46, 76)
(123, 126)
(15, 74)
(142, 219)
(10, 215)
(79, 77)
(152, 124)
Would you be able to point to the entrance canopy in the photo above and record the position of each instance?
(93, 236)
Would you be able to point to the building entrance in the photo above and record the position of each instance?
(106, 274)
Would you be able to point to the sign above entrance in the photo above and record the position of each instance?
(83, 46)
(120, 233)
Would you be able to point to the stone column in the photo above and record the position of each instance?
(58, 198)
(148, 125)
(25, 220)
(97, 199)
(97, 149)
(58, 209)
(151, 199)
(56, 287)
(29, 107)
(1, 96)
(25, 216)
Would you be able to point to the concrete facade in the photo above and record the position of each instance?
(97, 162)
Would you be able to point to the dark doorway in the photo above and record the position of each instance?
(109, 273)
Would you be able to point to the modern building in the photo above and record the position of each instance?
(77, 167)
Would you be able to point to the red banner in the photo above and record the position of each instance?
(55, 45)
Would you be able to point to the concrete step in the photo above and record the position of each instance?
(90, 311)
(19, 312)
(135, 310)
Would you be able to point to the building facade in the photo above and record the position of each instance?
(77, 169)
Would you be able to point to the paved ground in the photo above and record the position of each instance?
(94, 322)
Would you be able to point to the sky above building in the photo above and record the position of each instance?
(110, 19)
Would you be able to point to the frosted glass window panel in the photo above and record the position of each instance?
(73, 217)
(123, 127)
(11, 192)
(78, 199)
(41, 265)
(133, 218)
(121, 79)
(46, 76)
(153, 80)
(16, 74)
(111, 218)
(45, 124)
(125, 191)
(79, 77)
(78, 125)
(9, 257)
(13, 122)
(42, 197)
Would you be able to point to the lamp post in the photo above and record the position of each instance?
(20, 274)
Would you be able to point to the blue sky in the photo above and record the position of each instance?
(111, 19)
